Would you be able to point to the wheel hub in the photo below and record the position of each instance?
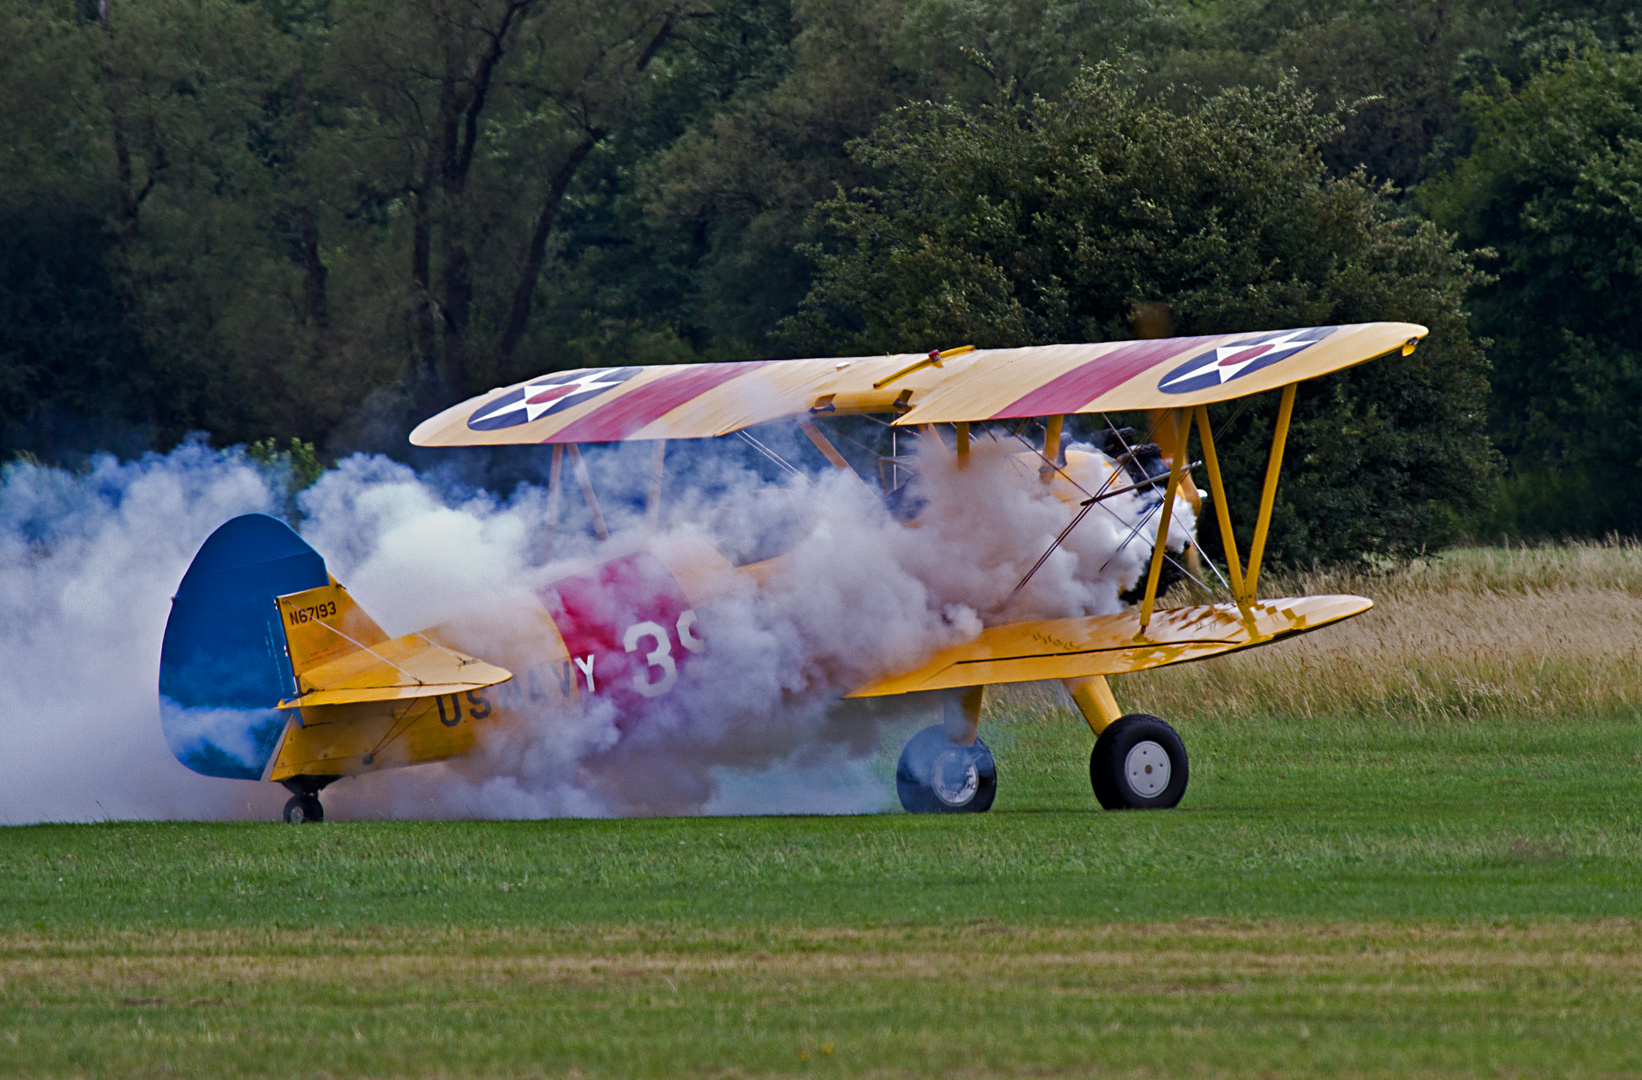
(954, 778)
(1147, 768)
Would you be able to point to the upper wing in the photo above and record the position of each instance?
(1162, 373)
(690, 401)
(670, 401)
(1114, 644)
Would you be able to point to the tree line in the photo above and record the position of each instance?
(323, 219)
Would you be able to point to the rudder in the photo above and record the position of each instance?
(224, 665)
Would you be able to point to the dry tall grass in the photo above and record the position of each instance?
(1552, 631)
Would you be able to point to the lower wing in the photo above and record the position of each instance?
(1114, 644)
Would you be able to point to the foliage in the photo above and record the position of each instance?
(1389, 66)
(63, 337)
(1553, 183)
(1051, 221)
(290, 471)
(301, 204)
(301, 460)
(323, 218)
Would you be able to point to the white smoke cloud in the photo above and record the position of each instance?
(88, 564)
(90, 561)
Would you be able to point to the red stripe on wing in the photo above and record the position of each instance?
(631, 411)
(1071, 391)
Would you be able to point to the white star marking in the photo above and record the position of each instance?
(539, 398)
(1228, 361)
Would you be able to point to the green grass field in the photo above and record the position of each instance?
(1438, 890)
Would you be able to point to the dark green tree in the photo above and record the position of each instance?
(1051, 220)
(1553, 183)
(1388, 64)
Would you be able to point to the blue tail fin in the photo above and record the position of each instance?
(224, 666)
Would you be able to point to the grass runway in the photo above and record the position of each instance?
(1432, 879)
(970, 999)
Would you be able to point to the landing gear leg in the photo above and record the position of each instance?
(1094, 700)
(304, 807)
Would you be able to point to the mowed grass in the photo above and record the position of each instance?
(975, 999)
(1326, 818)
(1378, 871)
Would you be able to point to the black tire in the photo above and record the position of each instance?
(935, 777)
(1138, 763)
(304, 810)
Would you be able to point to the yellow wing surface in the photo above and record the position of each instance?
(1114, 644)
(366, 701)
(689, 401)
(341, 657)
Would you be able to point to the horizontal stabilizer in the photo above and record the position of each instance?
(340, 656)
(1114, 644)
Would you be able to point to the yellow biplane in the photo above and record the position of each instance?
(271, 672)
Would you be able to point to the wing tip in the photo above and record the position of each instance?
(427, 432)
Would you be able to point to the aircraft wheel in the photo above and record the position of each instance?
(1138, 763)
(304, 810)
(935, 777)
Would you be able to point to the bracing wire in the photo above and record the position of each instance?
(1088, 504)
(772, 455)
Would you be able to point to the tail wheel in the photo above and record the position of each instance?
(304, 810)
(935, 777)
(1138, 763)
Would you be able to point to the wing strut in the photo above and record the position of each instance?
(1217, 489)
(586, 482)
(823, 444)
(1268, 496)
(1176, 421)
(555, 487)
(658, 464)
(1051, 448)
(1243, 584)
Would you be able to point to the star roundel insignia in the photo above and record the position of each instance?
(546, 396)
(1233, 361)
